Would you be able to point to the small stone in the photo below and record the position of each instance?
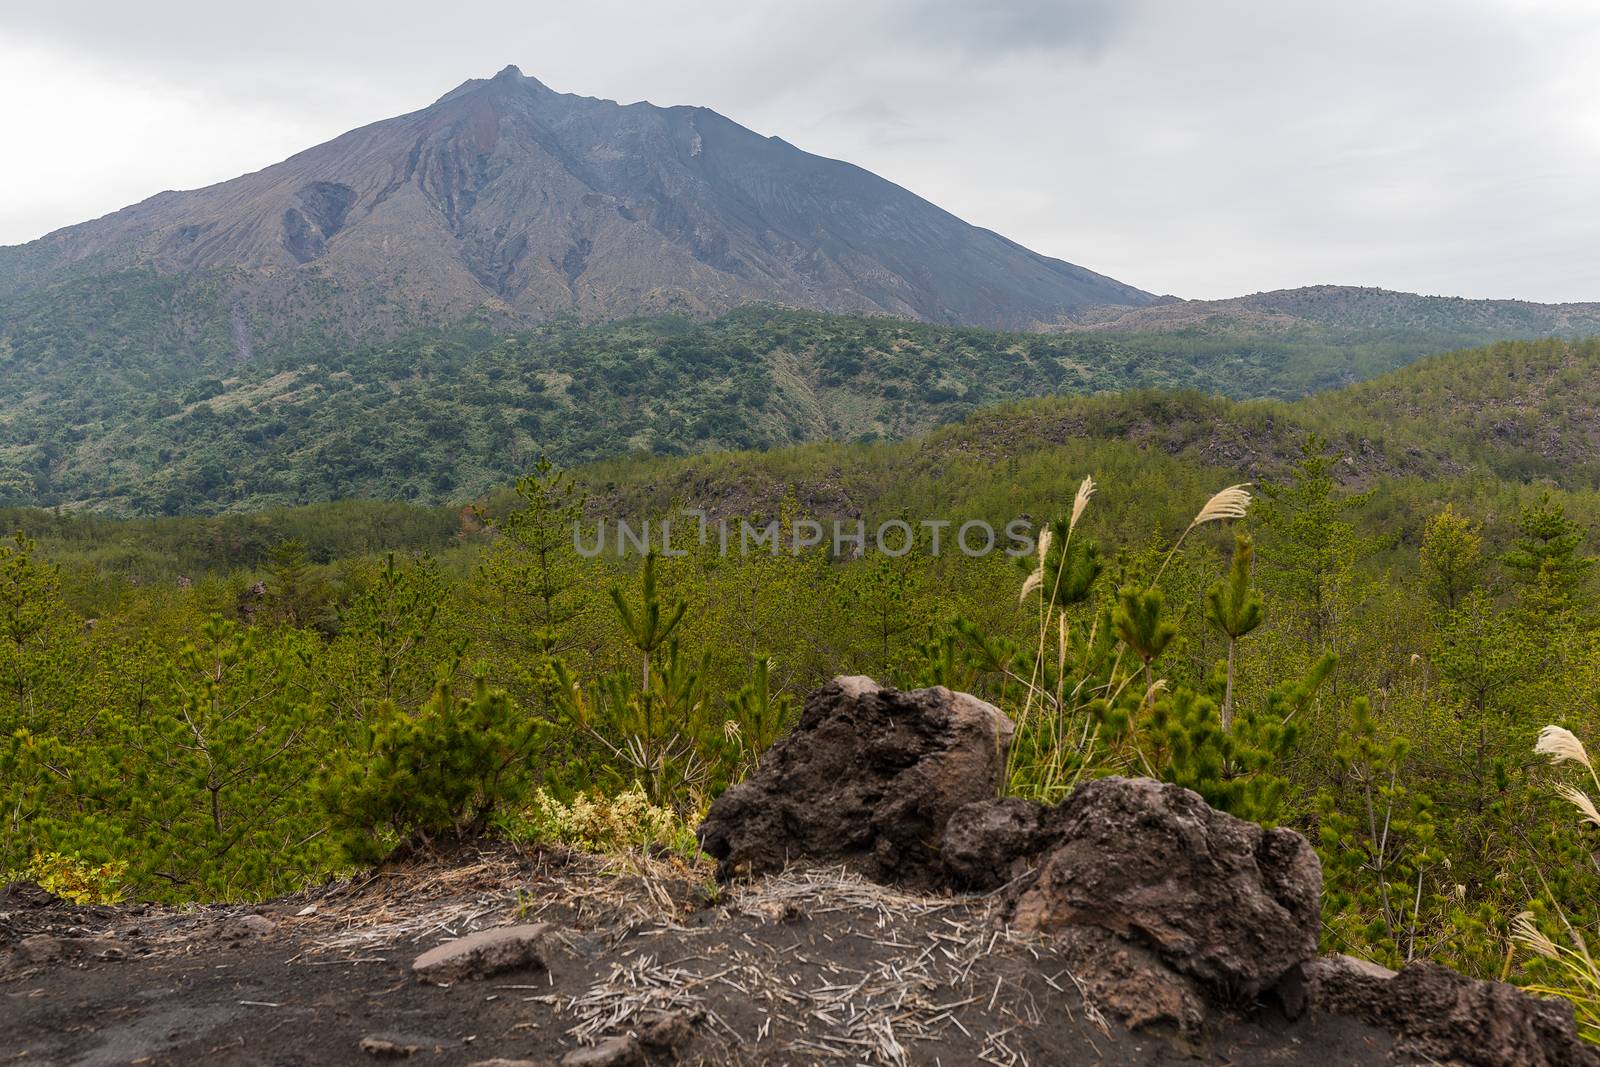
(100, 948)
(668, 1033)
(485, 953)
(624, 1051)
(253, 926)
(384, 1049)
(40, 948)
(501, 1061)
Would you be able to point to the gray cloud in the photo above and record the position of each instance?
(1203, 149)
(1013, 26)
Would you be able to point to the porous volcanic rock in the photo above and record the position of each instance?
(1132, 983)
(1447, 1017)
(992, 842)
(657, 1039)
(868, 778)
(1216, 899)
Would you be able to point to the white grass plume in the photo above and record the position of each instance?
(1230, 503)
(1081, 501)
(1524, 929)
(1562, 745)
(1580, 800)
(1036, 579)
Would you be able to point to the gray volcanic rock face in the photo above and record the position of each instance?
(505, 195)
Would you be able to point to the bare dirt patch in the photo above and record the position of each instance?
(802, 966)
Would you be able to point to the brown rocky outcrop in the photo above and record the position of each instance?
(1215, 898)
(1172, 914)
(869, 778)
(1445, 1017)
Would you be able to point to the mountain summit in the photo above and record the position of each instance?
(507, 197)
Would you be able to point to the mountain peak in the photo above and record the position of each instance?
(508, 195)
(510, 75)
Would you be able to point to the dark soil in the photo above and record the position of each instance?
(803, 967)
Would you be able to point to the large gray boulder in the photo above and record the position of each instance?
(868, 778)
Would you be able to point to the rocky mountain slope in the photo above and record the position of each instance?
(509, 199)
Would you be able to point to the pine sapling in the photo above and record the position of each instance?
(1234, 608)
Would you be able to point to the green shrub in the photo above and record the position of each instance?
(436, 776)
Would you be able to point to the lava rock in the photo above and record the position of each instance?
(26, 895)
(1133, 983)
(1447, 1017)
(383, 1048)
(992, 842)
(485, 953)
(1214, 898)
(667, 1034)
(868, 778)
(253, 926)
(1339, 984)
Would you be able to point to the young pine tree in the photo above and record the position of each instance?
(1545, 558)
(1451, 557)
(1234, 608)
(1140, 622)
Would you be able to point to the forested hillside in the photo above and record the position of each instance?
(166, 421)
(1351, 307)
(1484, 421)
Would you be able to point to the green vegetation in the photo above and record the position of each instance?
(1366, 644)
(126, 396)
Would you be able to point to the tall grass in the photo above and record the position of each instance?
(1574, 974)
(1067, 683)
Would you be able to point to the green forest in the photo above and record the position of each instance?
(1369, 615)
(129, 394)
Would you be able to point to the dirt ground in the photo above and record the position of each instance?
(800, 968)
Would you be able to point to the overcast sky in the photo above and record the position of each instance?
(1193, 147)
